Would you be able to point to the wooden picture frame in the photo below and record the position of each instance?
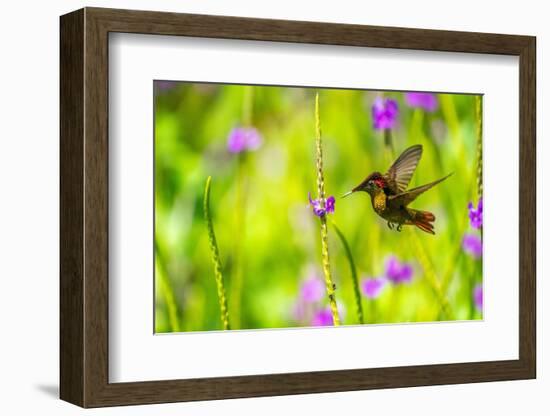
(84, 207)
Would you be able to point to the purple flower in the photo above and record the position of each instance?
(472, 245)
(318, 207)
(425, 100)
(312, 289)
(397, 272)
(478, 297)
(241, 139)
(322, 317)
(384, 113)
(331, 202)
(372, 287)
(476, 215)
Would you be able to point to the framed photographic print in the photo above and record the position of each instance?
(256, 207)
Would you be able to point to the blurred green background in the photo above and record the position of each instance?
(268, 237)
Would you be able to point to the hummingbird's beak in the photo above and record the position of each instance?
(347, 194)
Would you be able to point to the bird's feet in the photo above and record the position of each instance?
(391, 225)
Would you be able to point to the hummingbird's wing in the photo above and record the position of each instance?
(400, 173)
(405, 198)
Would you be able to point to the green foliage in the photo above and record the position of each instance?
(279, 245)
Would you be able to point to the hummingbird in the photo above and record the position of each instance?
(390, 197)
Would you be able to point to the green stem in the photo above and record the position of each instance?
(215, 256)
(330, 286)
(353, 269)
(479, 134)
(167, 291)
(389, 151)
(430, 275)
(388, 145)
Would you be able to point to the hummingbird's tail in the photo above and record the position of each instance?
(423, 220)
